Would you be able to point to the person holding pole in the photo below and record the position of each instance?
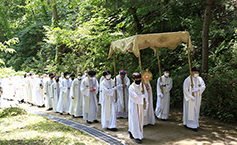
(122, 109)
(136, 108)
(163, 95)
(192, 99)
(108, 102)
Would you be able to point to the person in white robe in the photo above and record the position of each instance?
(89, 88)
(64, 97)
(192, 99)
(72, 77)
(47, 92)
(28, 88)
(76, 106)
(31, 98)
(100, 89)
(55, 92)
(5, 87)
(122, 109)
(23, 89)
(18, 89)
(71, 80)
(85, 74)
(108, 104)
(36, 88)
(32, 82)
(163, 99)
(137, 95)
(45, 78)
(61, 78)
(39, 91)
(14, 85)
(11, 89)
(149, 116)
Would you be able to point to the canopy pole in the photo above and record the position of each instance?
(115, 77)
(190, 70)
(158, 57)
(143, 92)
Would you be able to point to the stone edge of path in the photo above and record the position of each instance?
(89, 130)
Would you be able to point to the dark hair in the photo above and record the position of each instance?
(195, 69)
(79, 73)
(50, 74)
(66, 73)
(56, 77)
(106, 72)
(72, 75)
(92, 73)
(136, 75)
(166, 69)
(122, 73)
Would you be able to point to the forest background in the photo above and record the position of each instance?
(75, 35)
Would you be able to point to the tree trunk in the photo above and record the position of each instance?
(136, 19)
(55, 24)
(55, 15)
(205, 30)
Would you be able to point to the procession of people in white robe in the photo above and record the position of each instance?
(118, 99)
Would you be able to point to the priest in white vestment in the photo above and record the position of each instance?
(100, 91)
(47, 92)
(85, 74)
(192, 99)
(55, 92)
(39, 92)
(89, 88)
(28, 88)
(36, 88)
(122, 109)
(64, 97)
(18, 89)
(11, 89)
(76, 106)
(72, 77)
(23, 89)
(149, 116)
(61, 78)
(136, 108)
(108, 104)
(163, 99)
(5, 87)
(32, 83)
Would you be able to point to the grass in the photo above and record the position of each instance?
(18, 127)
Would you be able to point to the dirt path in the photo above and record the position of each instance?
(165, 132)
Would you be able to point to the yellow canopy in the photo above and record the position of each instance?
(155, 41)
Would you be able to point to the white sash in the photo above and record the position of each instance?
(75, 89)
(65, 98)
(166, 81)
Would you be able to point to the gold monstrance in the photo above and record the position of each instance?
(146, 77)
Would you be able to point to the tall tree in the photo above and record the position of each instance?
(207, 17)
(55, 23)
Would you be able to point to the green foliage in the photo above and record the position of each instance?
(12, 111)
(220, 99)
(10, 72)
